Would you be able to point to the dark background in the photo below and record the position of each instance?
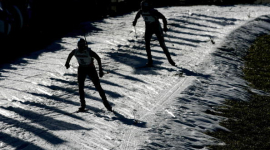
(47, 20)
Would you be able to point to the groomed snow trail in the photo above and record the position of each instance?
(38, 95)
(133, 135)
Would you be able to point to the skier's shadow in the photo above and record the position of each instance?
(128, 121)
(191, 73)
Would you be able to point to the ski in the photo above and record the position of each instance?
(147, 66)
(142, 67)
(78, 111)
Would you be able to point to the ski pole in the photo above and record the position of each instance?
(135, 32)
(169, 38)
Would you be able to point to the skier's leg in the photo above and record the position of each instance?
(161, 40)
(147, 37)
(81, 79)
(95, 79)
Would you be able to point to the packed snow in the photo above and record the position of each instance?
(156, 108)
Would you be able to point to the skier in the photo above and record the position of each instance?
(86, 67)
(152, 26)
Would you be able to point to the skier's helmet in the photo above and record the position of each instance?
(145, 5)
(81, 43)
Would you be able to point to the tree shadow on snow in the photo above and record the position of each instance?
(59, 99)
(136, 60)
(184, 22)
(54, 109)
(42, 133)
(76, 104)
(222, 21)
(66, 91)
(216, 18)
(88, 86)
(188, 40)
(192, 23)
(55, 98)
(17, 143)
(140, 45)
(45, 121)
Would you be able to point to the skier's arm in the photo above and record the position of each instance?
(95, 55)
(69, 58)
(164, 20)
(137, 17)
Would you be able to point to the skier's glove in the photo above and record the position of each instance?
(67, 65)
(134, 23)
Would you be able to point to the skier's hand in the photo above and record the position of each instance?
(165, 29)
(67, 65)
(134, 23)
(101, 74)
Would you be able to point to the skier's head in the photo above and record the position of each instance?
(146, 5)
(81, 44)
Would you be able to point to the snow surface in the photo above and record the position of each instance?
(38, 96)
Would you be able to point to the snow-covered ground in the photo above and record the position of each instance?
(38, 96)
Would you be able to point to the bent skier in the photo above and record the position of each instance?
(152, 26)
(86, 67)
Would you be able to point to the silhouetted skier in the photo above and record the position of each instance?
(86, 67)
(152, 26)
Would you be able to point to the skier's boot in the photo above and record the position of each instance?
(107, 105)
(81, 109)
(172, 62)
(109, 109)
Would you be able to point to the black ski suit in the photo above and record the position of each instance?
(152, 26)
(87, 68)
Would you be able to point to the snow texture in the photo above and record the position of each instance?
(156, 108)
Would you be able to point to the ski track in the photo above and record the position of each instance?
(38, 95)
(160, 101)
